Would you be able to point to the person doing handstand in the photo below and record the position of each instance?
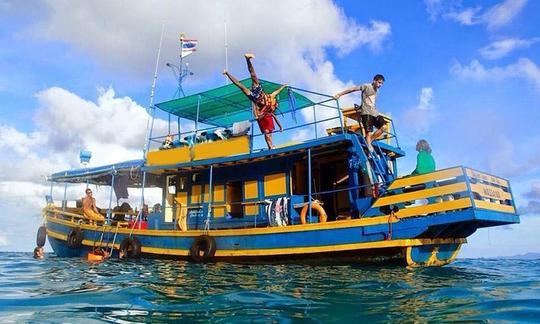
(369, 114)
(264, 105)
(89, 207)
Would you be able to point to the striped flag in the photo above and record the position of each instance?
(188, 46)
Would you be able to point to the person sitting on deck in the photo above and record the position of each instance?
(264, 105)
(369, 114)
(89, 207)
(167, 143)
(424, 160)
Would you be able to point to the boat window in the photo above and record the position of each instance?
(234, 199)
(195, 177)
(169, 197)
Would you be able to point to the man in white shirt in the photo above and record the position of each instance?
(368, 111)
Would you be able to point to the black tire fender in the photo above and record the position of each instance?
(74, 238)
(41, 236)
(130, 248)
(203, 248)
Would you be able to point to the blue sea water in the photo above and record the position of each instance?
(73, 290)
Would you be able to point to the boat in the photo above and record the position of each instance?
(224, 197)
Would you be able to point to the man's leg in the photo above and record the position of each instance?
(251, 69)
(379, 133)
(268, 139)
(237, 83)
(369, 139)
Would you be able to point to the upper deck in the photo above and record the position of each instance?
(223, 130)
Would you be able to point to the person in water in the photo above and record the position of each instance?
(425, 163)
(89, 207)
(264, 105)
(39, 252)
(368, 111)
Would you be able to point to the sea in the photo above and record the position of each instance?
(72, 290)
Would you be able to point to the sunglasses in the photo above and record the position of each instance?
(88, 192)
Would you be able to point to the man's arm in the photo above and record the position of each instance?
(347, 91)
(255, 110)
(275, 93)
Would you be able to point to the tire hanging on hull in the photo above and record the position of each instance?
(130, 248)
(41, 236)
(74, 238)
(203, 248)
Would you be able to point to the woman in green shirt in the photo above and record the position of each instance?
(424, 161)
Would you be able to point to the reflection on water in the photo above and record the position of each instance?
(62, 289)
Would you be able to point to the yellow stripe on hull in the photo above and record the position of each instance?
(288, 250)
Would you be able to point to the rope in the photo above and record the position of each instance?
(292, 103)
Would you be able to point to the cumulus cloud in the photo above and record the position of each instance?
(532, 207)
(524, 68)
(503, 47)
(495, 17)
(419, 118)
(288, 47)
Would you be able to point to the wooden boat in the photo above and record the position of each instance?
(224, 198)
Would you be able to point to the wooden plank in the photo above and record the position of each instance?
(487, 191)
(494, 206)
(486, 177)
(433, 176)
(420, 194)
(434, 208)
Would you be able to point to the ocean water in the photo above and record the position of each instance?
(73, 290)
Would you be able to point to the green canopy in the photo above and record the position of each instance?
(227, 104)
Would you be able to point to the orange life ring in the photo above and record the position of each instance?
(316, 206)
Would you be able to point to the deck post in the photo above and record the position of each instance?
(309, 182)
(142, 202)
(52, 184)
(64, 202)
(197, 119)
(210, 200)
(110, 197)
(340, 117)
(315, 120)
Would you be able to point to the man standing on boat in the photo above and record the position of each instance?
(264, 105)
(89, 207)
(368, 111)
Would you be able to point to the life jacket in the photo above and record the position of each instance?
(267, 104)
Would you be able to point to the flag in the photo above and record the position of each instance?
(188, 46)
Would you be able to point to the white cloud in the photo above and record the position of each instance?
(418, 119)
(501, 48)
(288, 47)
(524, 68)
(503, 13)
(3, 239)
(495, 17)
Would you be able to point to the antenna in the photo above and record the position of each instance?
(226, 51)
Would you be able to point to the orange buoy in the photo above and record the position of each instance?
(316, 206)
(92, 257)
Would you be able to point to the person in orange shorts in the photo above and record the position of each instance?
(264, 105)
(89, 207)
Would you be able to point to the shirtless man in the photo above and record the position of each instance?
(264, 104)
(89, 207)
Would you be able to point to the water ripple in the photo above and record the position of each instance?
(72, 290)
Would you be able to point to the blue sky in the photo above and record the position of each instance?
(464, 75)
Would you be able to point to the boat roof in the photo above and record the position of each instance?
(226, 105)
(101, 174)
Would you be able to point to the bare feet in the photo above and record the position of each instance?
(249, 56)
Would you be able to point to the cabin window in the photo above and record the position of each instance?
(218, 201)
(170, 191)
(251, 196)
(234, 199)
(275, 184)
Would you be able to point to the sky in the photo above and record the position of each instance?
(463, 75)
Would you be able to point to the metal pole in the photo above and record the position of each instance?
(110, 197)
(210, 200)
(315, 119)
(309, 183)
(142, 200)
(152, 92)
(340, 117)
(52, 184)
(64, 202)
(226, 52)
(197, 119)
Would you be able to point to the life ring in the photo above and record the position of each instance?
(74, 238)
(203, 248)
(41, 236)
(316, 206)
(130, 248)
